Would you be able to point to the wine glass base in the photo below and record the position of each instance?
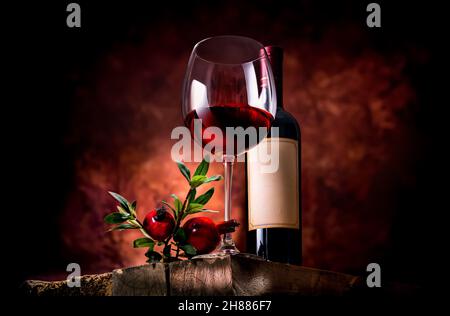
(224, 250)
(227, 246)
(228, 250)
(221, 254)
(212, 255)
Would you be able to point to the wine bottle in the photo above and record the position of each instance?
(274, 199)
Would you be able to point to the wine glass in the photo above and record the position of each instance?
(228, 84)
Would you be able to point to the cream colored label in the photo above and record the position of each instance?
(273, 198)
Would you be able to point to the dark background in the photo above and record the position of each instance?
(95, 106)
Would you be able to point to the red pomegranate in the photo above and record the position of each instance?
(204, 234)
(159, 224)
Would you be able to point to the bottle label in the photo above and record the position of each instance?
(273, 198)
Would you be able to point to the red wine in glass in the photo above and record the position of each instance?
(229, 115)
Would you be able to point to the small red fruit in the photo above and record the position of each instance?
(204, 234)
(201, 232)
(159, 224)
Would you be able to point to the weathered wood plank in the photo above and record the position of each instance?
(146, 280)
(205, 276)
(253, 276)
(91, 285)
(240, 275)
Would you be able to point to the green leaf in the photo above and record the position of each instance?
(116, 218)
(153, 256)
(205, 197)
(197, 181)
(189, 249)
(132, 208)
(177, 202)
(213, 178)
(194, 207)
(121, 210)
(191, 195)
(202, 210)
(202, 168)
(123, 227)
(184, 170)
(198, 211)
(122, 201)
(171, 207)
(144, 242)
(180, 236)
(166, 250)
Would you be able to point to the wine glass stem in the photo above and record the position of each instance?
(228, 167)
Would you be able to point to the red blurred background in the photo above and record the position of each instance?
(108, 97)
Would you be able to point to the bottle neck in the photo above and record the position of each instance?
(279, 89)
(275, 55)
(277, 70)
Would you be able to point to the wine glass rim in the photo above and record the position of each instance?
(262, 56)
